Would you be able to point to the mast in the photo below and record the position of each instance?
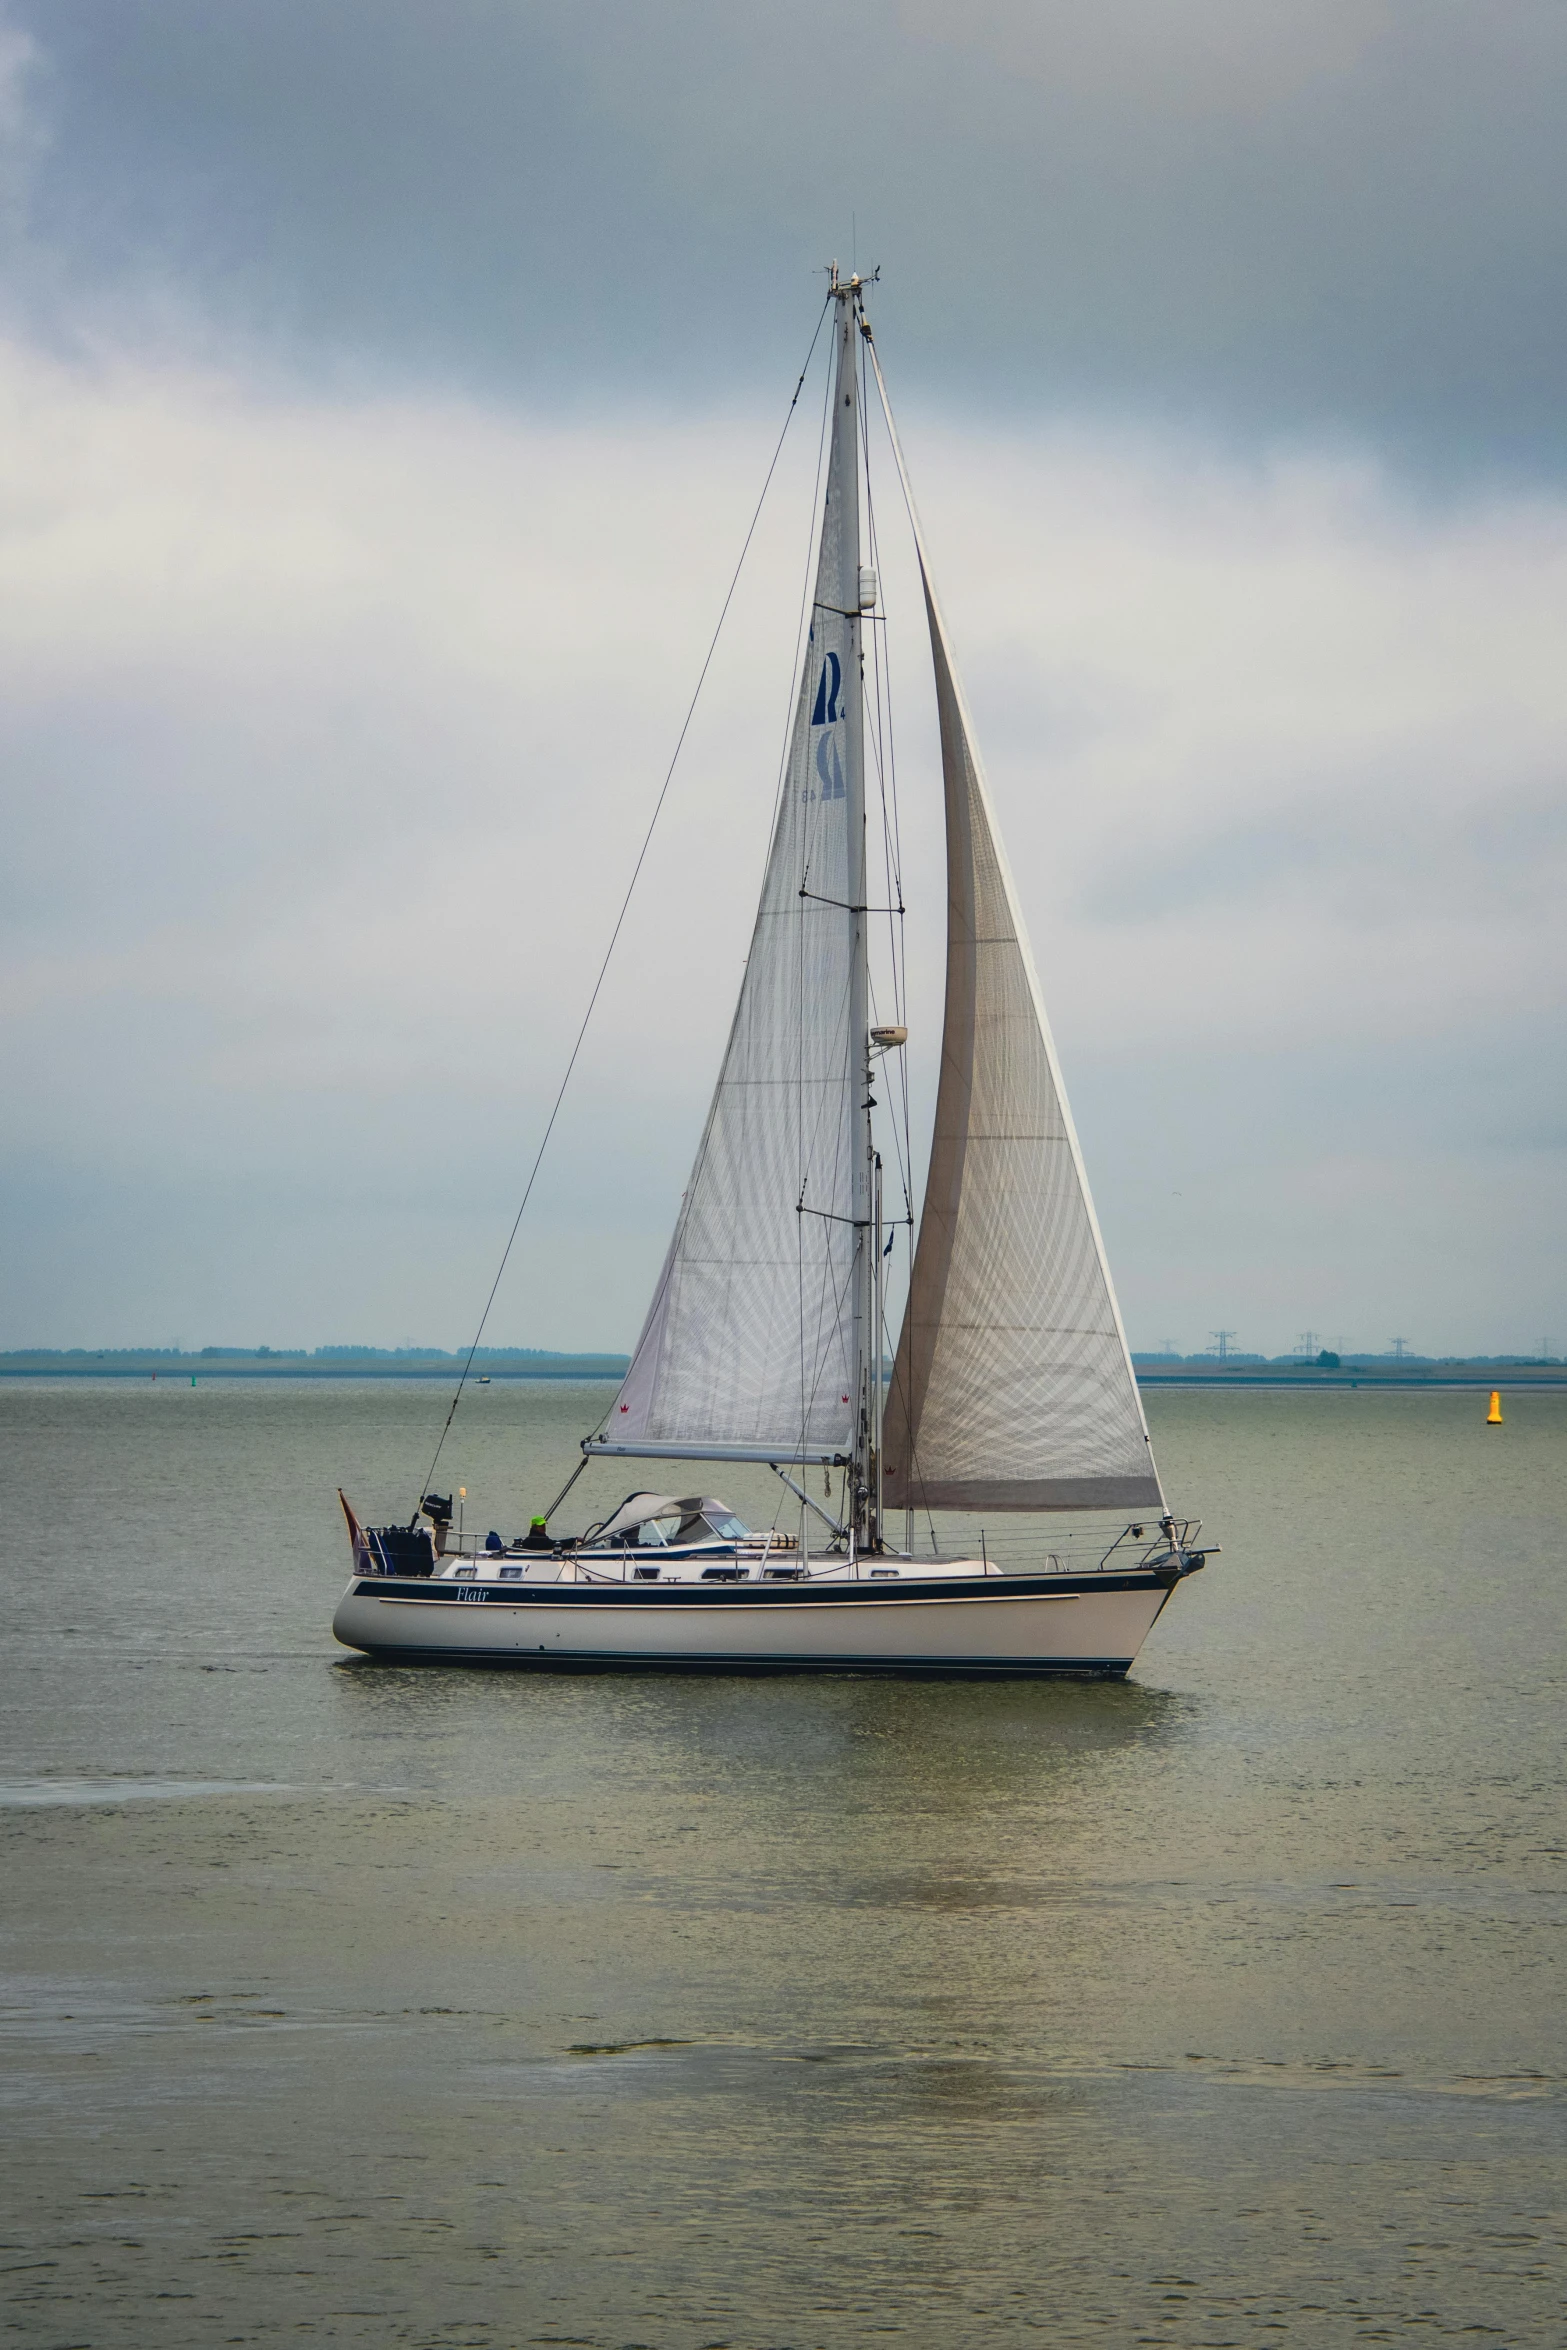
(861, 1513)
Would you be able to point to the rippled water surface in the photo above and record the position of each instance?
(378, 2005)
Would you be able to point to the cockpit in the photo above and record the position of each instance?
(666, 1521)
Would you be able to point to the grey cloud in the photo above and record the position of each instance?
(1277, 220)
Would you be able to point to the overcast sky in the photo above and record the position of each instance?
(384, 390)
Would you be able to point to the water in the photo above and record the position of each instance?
(376, 2005)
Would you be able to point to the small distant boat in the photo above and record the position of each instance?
(1011, 1389)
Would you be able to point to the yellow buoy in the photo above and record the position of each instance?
(1493, 1418)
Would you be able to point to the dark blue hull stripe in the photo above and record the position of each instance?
(1107, 1668)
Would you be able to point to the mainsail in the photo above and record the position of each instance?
(1012, 1388)
(752, 1343)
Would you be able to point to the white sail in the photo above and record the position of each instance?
(1012, 1387)
(751, 1342)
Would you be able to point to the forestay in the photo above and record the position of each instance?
(1012, 1387)
(749, 1343)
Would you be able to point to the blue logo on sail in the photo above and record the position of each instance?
(826, 713)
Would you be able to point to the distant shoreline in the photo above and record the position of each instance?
(231, 1364)
(1445, 1376)
(519, 1364)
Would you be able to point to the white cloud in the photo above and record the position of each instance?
(331, 729)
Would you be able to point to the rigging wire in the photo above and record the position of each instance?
(892, 860)
(892, 840)
(625, 906)
(886, 778)
(806, 607)
(804, 630)
(869, 354)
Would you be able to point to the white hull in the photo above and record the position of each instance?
(999, 1625)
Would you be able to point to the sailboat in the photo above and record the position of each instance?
(1011, 1390)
